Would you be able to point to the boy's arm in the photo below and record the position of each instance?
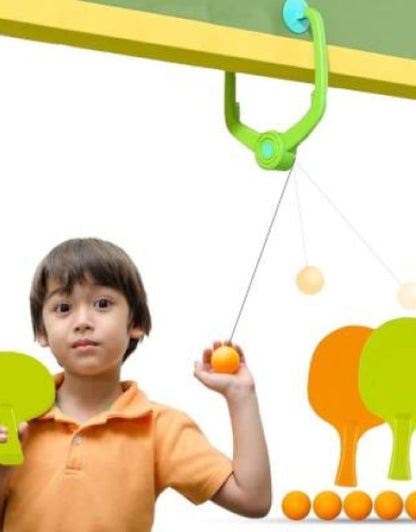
(248, 490)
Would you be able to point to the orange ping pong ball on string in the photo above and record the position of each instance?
(407, 295)
(327, 505)
(225, 359)
(388, 505)
(310, 280)
(410, 505)
(358, 505)
(296, 505)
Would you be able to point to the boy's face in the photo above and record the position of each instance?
(87, 330)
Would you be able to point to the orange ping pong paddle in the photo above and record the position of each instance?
(334, 393)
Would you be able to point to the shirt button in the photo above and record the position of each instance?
(77, 440)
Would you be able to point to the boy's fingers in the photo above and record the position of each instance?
(201, 375)
(23, 427)
(22, 432)
(206, 357)
(238, 349)
(4, 431)
(198, 370)
(240, 352)
(202, 367)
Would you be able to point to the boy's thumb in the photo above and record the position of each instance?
(199, 373)
(202, 376)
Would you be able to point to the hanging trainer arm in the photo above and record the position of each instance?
(274, 150)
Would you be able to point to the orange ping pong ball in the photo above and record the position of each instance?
(310, 280)
(410, 505)
(296, 505)
(358, 505)
(388, 505)
(225, 359)
(327, 505)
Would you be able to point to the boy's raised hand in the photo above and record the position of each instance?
(223, 383)
(23, 431)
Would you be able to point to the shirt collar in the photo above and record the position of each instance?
(132, 403)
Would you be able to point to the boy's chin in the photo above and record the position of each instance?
(88, 370)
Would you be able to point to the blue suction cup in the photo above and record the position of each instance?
(294, 16)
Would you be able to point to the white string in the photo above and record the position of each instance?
(353, 229)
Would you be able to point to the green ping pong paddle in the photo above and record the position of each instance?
(27, 391)
(387, 382)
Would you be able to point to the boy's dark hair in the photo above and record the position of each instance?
(109, 265)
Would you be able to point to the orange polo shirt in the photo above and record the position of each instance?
(105, 475)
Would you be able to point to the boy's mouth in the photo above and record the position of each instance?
(84, 343)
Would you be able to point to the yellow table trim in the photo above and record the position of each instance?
(142, 34)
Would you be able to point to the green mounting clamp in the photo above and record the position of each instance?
(274, 150)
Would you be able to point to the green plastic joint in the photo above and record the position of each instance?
(271, 153)
(274, 150)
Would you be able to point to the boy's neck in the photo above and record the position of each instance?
(89, 393)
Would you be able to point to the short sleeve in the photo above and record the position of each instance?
(185, 460)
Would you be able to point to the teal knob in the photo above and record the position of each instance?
(294, 16)
(268, 149)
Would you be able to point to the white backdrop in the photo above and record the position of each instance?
(137, 152)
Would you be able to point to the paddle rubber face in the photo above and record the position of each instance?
(27, 391)
(334, 393)
(387, 383)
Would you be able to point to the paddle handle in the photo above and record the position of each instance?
(346, 474)
(11, 451)
(400, 459)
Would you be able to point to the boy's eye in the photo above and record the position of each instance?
(62, 307)
(103, 303)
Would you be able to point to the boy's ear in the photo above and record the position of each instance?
(42, 340)
(136, 333)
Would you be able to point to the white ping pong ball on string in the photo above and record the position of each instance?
(407, 295)
(310, 280)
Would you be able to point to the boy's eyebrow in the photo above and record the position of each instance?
(59, 290)
(62, 290)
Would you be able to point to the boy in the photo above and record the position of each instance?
(97, 461)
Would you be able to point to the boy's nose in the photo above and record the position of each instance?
(83, 321)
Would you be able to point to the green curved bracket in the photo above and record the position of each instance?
(274, 150)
